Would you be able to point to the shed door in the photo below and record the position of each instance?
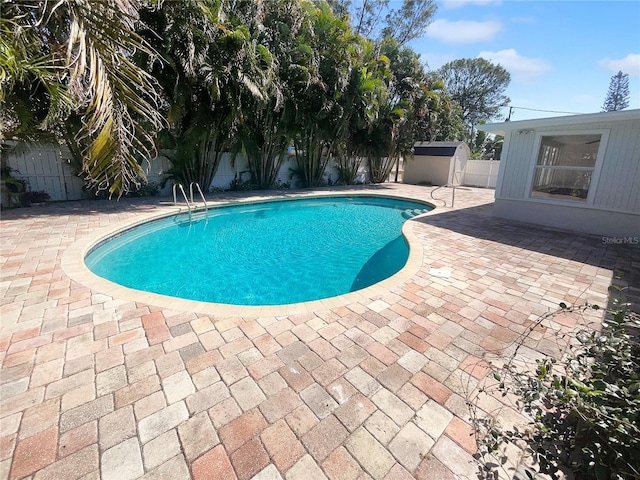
(458, 167)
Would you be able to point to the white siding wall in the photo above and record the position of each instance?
(619, 183)
(516, 163)
(617, 186)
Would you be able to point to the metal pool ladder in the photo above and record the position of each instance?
(189, 200)
(453, 194)
(199, 191)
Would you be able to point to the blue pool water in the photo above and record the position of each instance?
(271, 253)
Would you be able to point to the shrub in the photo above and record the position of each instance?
(28, 198)
(151, 189)
(585, 406)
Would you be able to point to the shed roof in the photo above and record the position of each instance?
(436, 149)
(503, 127)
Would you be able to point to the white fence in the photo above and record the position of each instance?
(48, 168)
(477, 173)
(228, 170)
(45, 167)
(481, 173)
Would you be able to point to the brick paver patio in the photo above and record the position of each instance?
(98, 386)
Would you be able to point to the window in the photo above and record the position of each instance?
(565, 165)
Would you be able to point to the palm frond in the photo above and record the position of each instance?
(77, 56)
(120, 97)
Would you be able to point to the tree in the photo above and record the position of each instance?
(493, 147)
(618, 94)
(478, 86)
(409, 21)
(375, 20)
(443, 121)
(340, 8)
(367, 17)
(320, 108)
(278, 27)
(404, 113)
(477, 147)
(199, 41)
(365, 95)
(77, 57)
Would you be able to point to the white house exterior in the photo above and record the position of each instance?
(438, 163)
(580, 172)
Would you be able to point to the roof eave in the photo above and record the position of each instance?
(503, 127)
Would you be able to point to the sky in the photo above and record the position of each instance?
(561, 54)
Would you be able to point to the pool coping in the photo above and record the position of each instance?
(72, 263)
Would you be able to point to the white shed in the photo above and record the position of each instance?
(437, 163)
(580, 172)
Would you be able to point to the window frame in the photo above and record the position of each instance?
(595, 170)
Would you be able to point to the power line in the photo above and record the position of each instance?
(539, 110)
(550, 111)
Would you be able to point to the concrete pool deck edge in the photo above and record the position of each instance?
(73, 264)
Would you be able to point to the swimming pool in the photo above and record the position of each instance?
(266, 253)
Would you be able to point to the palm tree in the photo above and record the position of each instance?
(444, 116)
(265, 131)
(362, 100)
(77, 56)
(404, 116)
(211, 65)
(320, 109)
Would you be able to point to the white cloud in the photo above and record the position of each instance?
(629, 64)
(462, 3)
(522, 67)
(462, 31)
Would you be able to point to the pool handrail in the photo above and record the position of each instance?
(453, 194)
(204, 200)
(184, 194)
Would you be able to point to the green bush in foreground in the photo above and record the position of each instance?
(585, 406)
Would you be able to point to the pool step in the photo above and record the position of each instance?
(413, 212)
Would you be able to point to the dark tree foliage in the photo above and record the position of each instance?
(618, 94)
(198, 78)
(203, 96)
(478, 86)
